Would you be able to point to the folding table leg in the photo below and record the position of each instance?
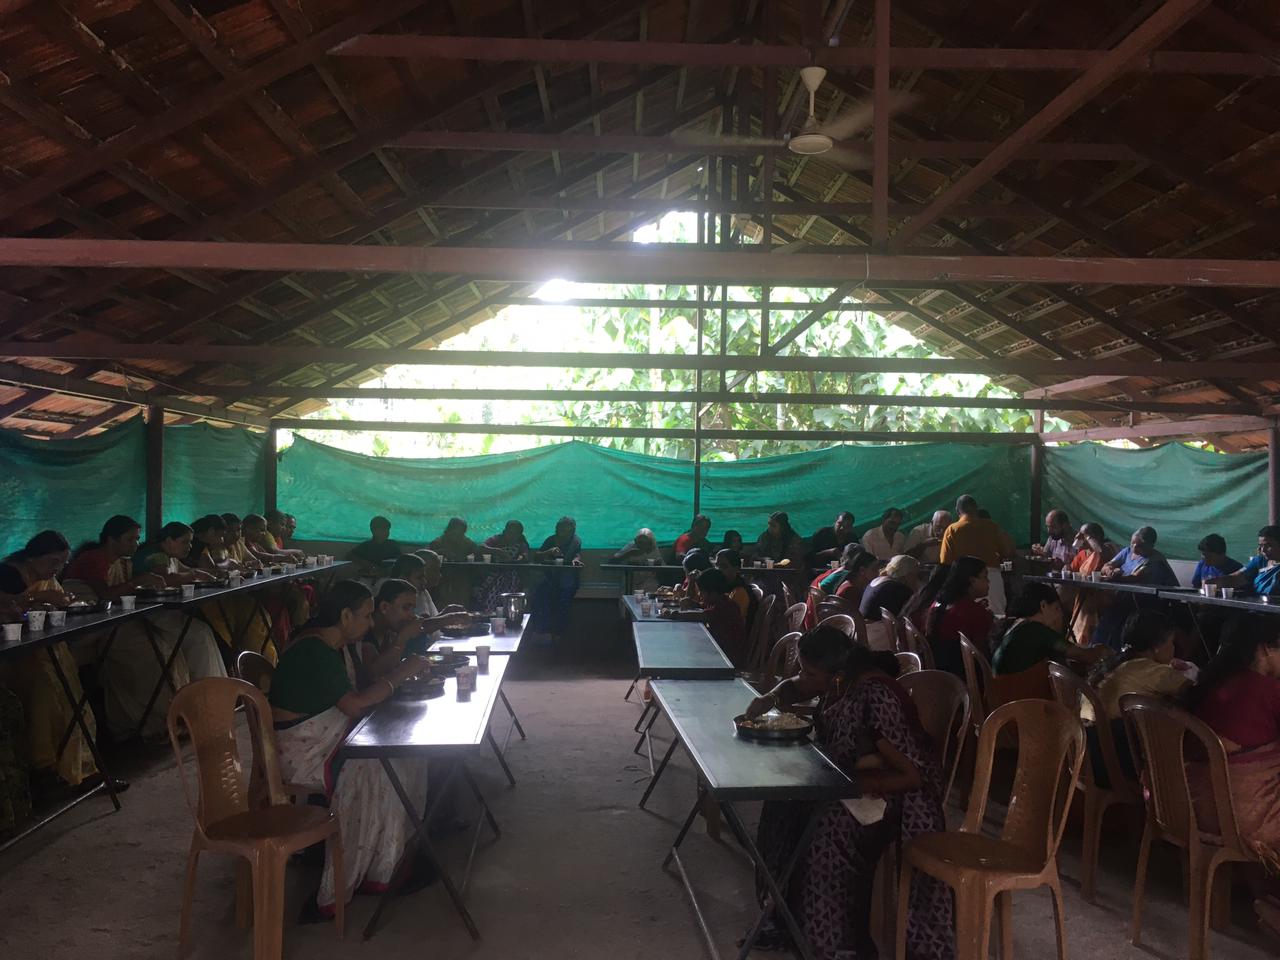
(657, 774)
(77, 713)
(644, 735)
(776, 885)
(502, 761)
(475, 836)
(631, 689)
(422, 841)
(84, 697)
(514, 719)
(643, 713)
(166, 668)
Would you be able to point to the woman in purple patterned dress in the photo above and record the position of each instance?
(868, 727)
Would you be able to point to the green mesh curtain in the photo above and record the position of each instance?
(70, 485)
(211, 469)
(611, 493)
(1181, 491)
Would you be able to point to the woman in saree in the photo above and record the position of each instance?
(554, 596)
(237, 620)
(314, 702)
(237, 549)
(29, 579)
(509, 546)
(1238, 695)
(131, 672)
(869, 728)
(1093, 550)
(288, 605)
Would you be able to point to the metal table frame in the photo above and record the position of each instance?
(455, 755)
(725, 799)
(46, 640)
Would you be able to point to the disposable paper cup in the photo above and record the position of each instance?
(638, 594)
(12, 632)
(448, 648)
(559, 561)
(768, 564)
(57, 618)
(498, 625)
(466, 682)
(309, 561)
(482, 658)
(654, 563)
(35, 619)
(188, 591)
(1096, 576)
(486, 558)
(471, 558)
(128, 603)
(234, 580)
(646, 608)
(1228, 593)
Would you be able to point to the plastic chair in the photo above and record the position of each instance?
(256, 669)
(983, 870)
(1163, 732)
(834, 606)
(782, 659)
(942, 703)
(910, 639)
(788, 595)
(1073, 692)
(793, 617)
(908, 662)
(758, 638)
(978, 675)
(842, 622)
(244, 815)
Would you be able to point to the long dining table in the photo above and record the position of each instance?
(250, 587)
(441, 730)
(731, 771)
(36, 642)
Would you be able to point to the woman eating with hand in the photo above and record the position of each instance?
(29, 580)
(868, 727)
(235, 619)
(1021, 663)
(315, 700)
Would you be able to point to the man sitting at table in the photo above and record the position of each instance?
(925, 541)
(1057, 547)
(724, 619)
(828, 543)
(695, 537)
(379, 548)
(454, 544)
(1260, 573)
(887, 540)
(974, 535)
(1214, 562)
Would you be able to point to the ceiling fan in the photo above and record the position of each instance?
(815, 138)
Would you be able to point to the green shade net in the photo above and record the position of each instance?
(211, 470)
(611, 493)
(1183, 492)
(70, 485)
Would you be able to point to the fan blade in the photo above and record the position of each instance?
(690, 138)
(860, 117)
(847, 157)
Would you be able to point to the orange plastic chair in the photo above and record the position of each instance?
(1073, 693)
(256, 669)
(977, 675)
(1163, 732)
(908, 662)
(911, 640)
(983, 870)
(782, 659)
(942, 703)
(793, 618)
(244, 813)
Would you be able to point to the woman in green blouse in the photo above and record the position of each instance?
(314, 701)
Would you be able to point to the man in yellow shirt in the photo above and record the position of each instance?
(976, 536)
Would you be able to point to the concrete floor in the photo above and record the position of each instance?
(577, 872)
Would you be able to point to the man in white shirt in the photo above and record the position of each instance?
(885, 541)
(925, 541)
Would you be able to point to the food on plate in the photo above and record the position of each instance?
(775, 721)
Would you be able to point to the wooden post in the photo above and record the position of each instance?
(1037, 479)
(155, 471)
(1273, 475)
(269, 463)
